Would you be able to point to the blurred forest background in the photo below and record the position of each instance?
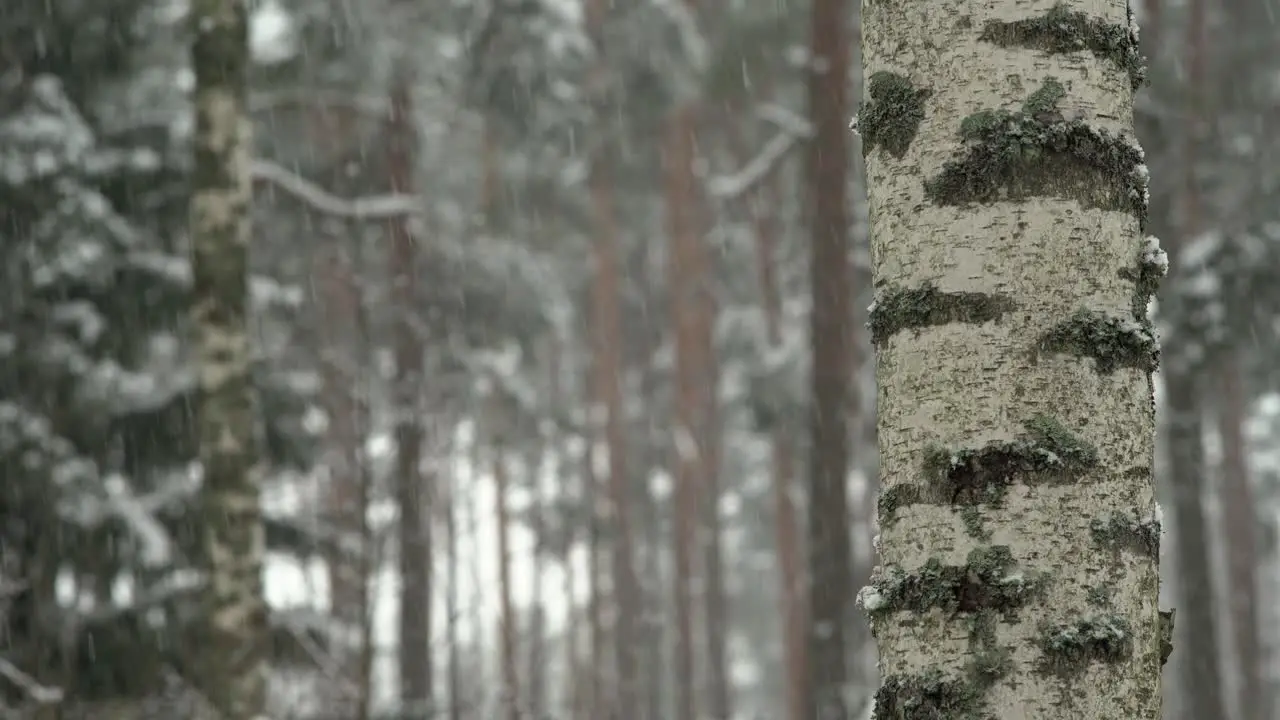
(533, 289)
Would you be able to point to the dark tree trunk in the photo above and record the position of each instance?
(830, 554)
(413, 491)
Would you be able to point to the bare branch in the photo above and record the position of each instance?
(40, 694)
(786, 119)
(317, 100)
(728, 187)
(375, 207)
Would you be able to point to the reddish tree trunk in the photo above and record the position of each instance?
(1240, 530)
(685, 264)
(340, 309)
(830, 554)
(786, 529)
(412, 489)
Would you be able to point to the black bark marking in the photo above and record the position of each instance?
(1112, 342)
(898, 309)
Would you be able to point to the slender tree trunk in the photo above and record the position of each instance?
(597, 701)
(685, 264)
(716, 621)
(509, 651)
(831, 395)
(370, 558)
(451, 598)
(1019, 533)
(655, 625)
(338, 310)
(1200, 664)
(231, 661)
(608, 369)
(760, 211)
(1241, 532)
(536, 636)
(347, 499)
(413, 491)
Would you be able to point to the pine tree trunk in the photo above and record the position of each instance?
(715, 598)
(344, 507)
(451, 598)
(1241, 533)
(413, 492)
(782, 464)
(1019, 529)
(685, 265)
(608, 367)
(1200, 666)
(231, 661)
(507, 620)
(831, 392)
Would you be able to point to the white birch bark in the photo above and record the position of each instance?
(1019, 530)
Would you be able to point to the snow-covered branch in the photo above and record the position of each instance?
(786, 119)
(728, 187)
(374, 207)
(39, 694)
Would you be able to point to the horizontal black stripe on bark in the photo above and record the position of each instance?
(1112, 342)
(1061, 31)
(1047, 453)
(897, 309)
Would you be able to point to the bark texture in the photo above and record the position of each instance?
(231, 661)
(1019, 529)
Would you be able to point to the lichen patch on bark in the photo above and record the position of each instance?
(1015, 156)
(1111, 342)
(893, 115)
(1061, 30)
(1047, 452)
(1121, 531)
(897, 309)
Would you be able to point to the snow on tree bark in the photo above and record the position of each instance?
(230, 656)
(1019, 529)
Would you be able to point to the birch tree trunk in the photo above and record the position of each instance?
(1019, 529)
(231, 661)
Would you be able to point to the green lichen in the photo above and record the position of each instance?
(1047, 453)
(973, 526)
(1045, 100)
(1062, 31)
(932, 695)
(898, 309)
(1070, 647)
(928, 695)
(893, 116)
(1014, 156)
(893, 497)
(1112, 342)
(1099, 595)
(1119, 532)
(1166, 635)
(988, 581)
